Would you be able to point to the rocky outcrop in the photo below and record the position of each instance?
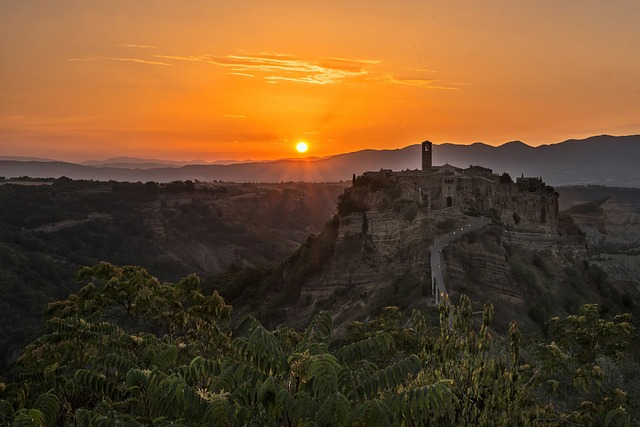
(519, 265)
(547, 239)
(372, 249)
(610, 227)
(479, 265)
(526, 209)
(612, 231)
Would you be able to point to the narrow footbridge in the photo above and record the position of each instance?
(438, 287)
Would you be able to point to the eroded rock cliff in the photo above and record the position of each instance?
(381, 256)
(612, 232)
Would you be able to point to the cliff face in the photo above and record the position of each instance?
(382, 254)
(522, 209)
(372, 250)
(377, 244)
(612, 231)
(522, 270)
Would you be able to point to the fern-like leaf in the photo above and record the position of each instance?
(49, 405)
(220, 412)
(262, 349)
(28, 418)
(137, 378)
(113, 361)
(248, 382)
(368, 348)
(372, 413)
(324, 370)
(416, 406)
(334, 411)
(318, 331)
(97, 384)
(621, 418)
(6, 412)
(202, 371)
(350, 380)
(166, 358)
(390, 377)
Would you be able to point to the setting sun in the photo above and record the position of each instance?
(171, 86)
(302, 147)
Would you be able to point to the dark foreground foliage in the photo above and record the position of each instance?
(130, 350)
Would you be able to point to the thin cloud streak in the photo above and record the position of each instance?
(277, 67)
(420, 70)
(141, 61)
(182, 58)
(283, 67)
(417, 81)
(138, 46)
(136, 60)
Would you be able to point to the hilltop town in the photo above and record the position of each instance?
(471, 190)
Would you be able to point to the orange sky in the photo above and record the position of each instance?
(247, 79)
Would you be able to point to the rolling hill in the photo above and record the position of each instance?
(604, 160)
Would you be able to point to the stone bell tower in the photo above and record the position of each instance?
(427, 155)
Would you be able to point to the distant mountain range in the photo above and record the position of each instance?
(137, 163)
(603, 160)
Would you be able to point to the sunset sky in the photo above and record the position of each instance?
(212, 79)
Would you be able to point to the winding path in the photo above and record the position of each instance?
(438, 287)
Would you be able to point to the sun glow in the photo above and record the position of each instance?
(302, 147)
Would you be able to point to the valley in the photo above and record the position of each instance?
(47, 232)
(269, 251)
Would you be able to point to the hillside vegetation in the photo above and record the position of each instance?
(375, 252)
(343, 331)
(48, 231)
(127, 349)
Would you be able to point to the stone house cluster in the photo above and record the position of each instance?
(475, 188)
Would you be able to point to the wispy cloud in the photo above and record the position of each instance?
(140, 61)
(235, 116)
(276, 67)
(138, 46)
(136, 60)
(420, 70)
(182, 58)
(418, 81)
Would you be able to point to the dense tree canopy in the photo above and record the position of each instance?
(129, 349)
(48, 231)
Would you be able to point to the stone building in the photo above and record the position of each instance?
(473, 189)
